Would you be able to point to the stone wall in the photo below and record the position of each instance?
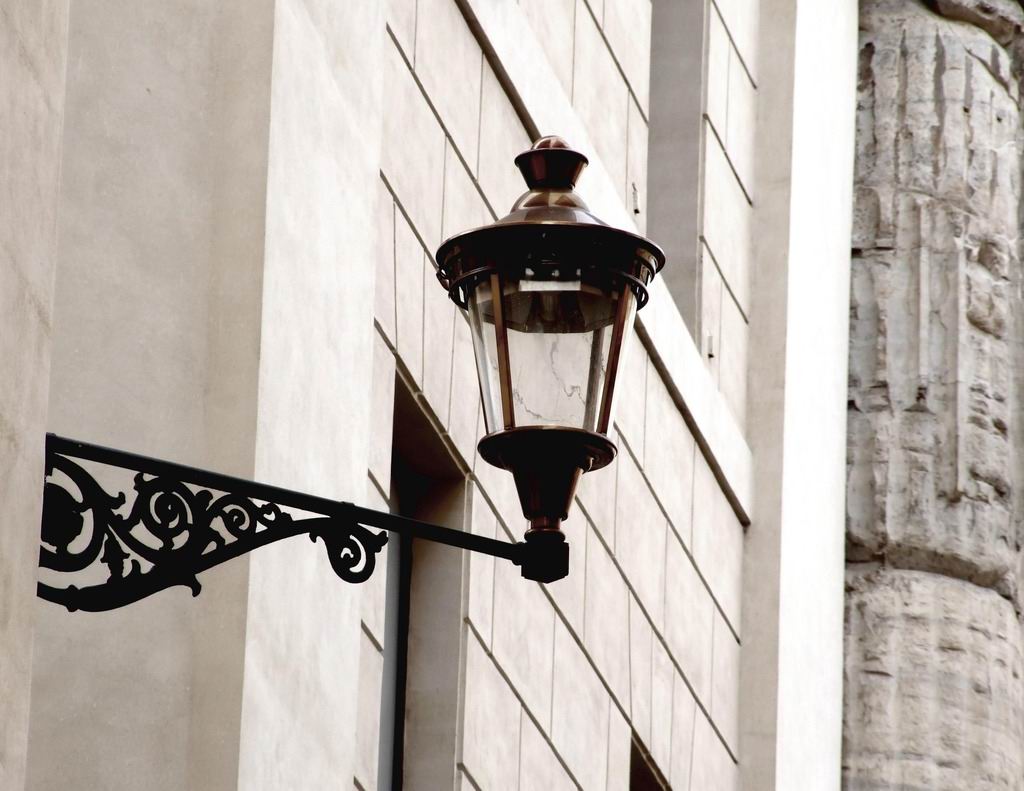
(644, 635)
(933, 643)
(33, 53)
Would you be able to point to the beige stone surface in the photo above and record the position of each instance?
(539, 767)
(313, 421)
(524, 628)
(684, 714)
(932, 684)
(627, 27)
(640, 648)
(502, 137)
(733, 344)
(489, 708)
(382, 399)
(712, 767)
(33, 56)
(663, 675)
(631, 397)
(932, 343)
(933, 663)
(689, 619)
(607, 609)
(640, 535)
(725, 678)
(162, 206)
(600, 96)
(371, 666)
(445, 47)
(480, 606)
(553, 22)
(668, 463)
(727, 219)
(635, 191)
(384, 284)
(718, 540)
(579, 727)
(410, 272)
(415, 172)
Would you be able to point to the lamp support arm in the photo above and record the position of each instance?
(183, 520)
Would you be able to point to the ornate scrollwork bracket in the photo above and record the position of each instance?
(182, 521)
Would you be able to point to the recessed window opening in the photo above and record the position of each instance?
(644, 774)
(419, 696)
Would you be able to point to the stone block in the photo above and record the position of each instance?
(606, 631)
(503, 137)
(640, 532)
(689, 620)
(464, 207)
(524, 623)
(640, 636)
(741, 122)
(732, 359)
(464, 412)
(401, 20)
(373, 592)
(500, 489)
(742, 18)
(409, 273)
(539, 769)
(684, 714)
(449, 63)
(727, 219)
(569, 593)
(717, 64)
(490, 708)
(371, 670)
(725, 682)
(712, 295)
(553, 22)
(596, 496)
(600, 96)
(412, 150)
(579, 723)
(631, 396)
(439, 317)
(384, 285)
(619, 752)
(627, 26)
(668, 463)
(717, 547)
(382, 412)
(662, 680)
(932, 683)
(712, 767)
(479, 608)
(635, 195)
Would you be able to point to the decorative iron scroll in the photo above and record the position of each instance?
(171, 531)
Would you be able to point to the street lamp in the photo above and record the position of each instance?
(551, 293)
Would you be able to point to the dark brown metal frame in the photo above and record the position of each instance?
(183, 521)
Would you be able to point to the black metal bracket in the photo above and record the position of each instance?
(183, 521)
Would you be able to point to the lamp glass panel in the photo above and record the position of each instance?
(560, 337)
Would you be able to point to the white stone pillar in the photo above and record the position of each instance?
(791, 674)
(33, 52)
(299, 707)
(934, 696)
(156, 349)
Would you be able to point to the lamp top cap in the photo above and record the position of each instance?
(551, 164)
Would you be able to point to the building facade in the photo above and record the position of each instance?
(218, 234)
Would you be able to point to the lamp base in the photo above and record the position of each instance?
(546, 462)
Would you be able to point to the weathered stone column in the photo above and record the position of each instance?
(933, 688)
